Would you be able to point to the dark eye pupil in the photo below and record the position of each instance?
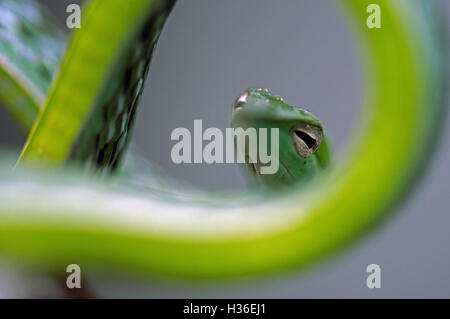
(309, 141)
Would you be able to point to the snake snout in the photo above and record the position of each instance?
(241, 100)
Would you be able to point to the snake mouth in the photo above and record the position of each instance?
(306, 138)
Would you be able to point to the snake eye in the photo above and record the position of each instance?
(306, 138)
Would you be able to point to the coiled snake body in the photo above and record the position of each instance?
(52, 219)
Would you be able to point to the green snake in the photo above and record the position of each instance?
(54, 213)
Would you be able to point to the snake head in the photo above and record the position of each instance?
(306, 131)
(302, 149)
(256, 97)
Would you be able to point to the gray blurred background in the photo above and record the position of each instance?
(211, 51)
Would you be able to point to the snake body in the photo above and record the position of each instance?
(51, 219)
(31, 49)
